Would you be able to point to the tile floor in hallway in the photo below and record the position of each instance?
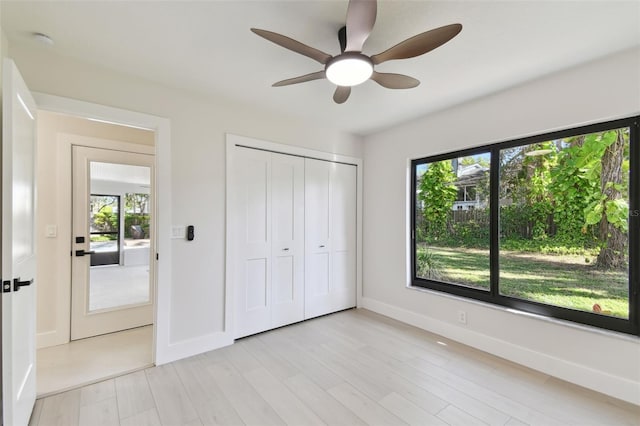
(89, 360)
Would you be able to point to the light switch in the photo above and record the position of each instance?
(178, 231)
(51, 231)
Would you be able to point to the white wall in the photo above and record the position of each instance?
(111, 187)
(4, 52)
(198, 127)
(598, 91)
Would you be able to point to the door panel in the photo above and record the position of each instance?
(283, 196)
(318, 278)
(18, 249)
(342, 273)
(317, 241)
(287, 194)
(257, 290)
(283, 280)
(113, 243)
(251, 198)
(257, 204)
(317, 203)
(343, 236)
(267, 199)
(330, 229)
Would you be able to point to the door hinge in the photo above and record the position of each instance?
(157, 256)
(6, 286)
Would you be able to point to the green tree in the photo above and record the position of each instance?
(590, 180)
(437, 193)
(470, 160)
(104, 213)
(136, 203)
(525, 177)
(610, 210)
(573, 189)
(106, 220)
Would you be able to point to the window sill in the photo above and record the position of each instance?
(555, 321)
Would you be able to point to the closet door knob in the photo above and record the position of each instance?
(285, 249)
(322, 246)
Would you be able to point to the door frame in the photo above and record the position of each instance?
(161, 347)
(233, 141)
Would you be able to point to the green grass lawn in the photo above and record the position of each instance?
(566, 280)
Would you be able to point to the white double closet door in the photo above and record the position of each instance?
(292, 238)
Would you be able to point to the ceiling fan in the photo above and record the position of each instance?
(351, 67)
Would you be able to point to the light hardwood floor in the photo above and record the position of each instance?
(350, 368)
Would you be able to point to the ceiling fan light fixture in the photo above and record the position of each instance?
(349, 69)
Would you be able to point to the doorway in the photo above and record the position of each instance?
(97, 203)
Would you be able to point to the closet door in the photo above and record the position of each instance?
(251, 221)
(268, 240)
(330, 232)
(343, 236)
(287, 248)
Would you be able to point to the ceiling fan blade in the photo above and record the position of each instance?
(307, 77)
(419, 44)
(394, 81)
(341, 94)
(361, 15)
(291, 44)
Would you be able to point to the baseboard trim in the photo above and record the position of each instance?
(50, 338)
(614, 386)
(191, 347)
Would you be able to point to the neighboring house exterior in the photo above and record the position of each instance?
(468, 178)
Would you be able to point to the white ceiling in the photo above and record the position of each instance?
(121, 173)
(206, 47)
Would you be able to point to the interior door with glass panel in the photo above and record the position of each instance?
(112, 241)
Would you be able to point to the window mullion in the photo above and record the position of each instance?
(634, 227)
(494, 223)
(414, 204)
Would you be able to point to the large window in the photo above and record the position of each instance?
(546, 224)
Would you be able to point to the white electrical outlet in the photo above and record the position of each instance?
(462, 317)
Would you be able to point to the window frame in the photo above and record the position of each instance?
(631, 325)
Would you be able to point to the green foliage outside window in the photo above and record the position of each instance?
(437, 193)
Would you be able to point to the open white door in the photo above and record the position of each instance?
(18, 249)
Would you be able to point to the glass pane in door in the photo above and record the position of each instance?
(104, 229)
(119, 217)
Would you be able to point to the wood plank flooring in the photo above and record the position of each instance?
(350, 368)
